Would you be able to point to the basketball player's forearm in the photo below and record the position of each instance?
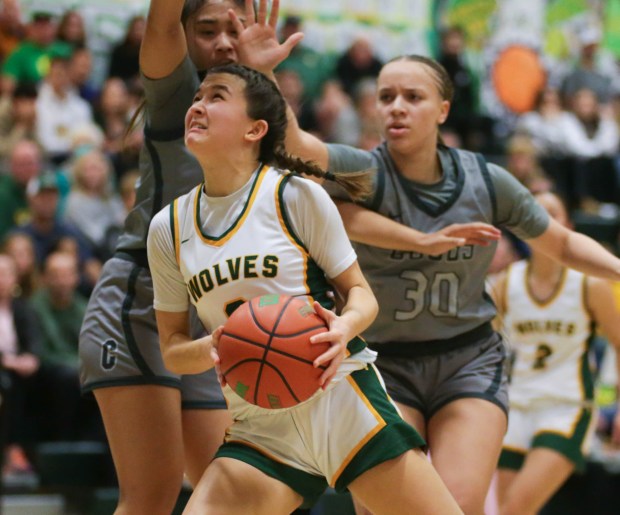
(371, 228)
(304, 145)
(588, 256)
(183, 355)
(163, 46)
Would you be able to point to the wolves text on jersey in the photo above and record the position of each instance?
(233, 269)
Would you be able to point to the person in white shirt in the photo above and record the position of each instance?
(59, 108)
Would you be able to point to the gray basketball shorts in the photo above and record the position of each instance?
(429, 382)
(119, 344)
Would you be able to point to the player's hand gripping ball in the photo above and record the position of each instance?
(265, 351)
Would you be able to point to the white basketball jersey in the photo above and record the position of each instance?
(257, 255)
(550, 340)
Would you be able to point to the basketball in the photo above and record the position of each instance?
(265, 351)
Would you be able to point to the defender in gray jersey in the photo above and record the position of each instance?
(158, 423)
(441, 360)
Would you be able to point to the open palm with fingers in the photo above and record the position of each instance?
(258, 45)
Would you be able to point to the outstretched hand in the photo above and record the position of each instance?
(457, 235)
(258, 46)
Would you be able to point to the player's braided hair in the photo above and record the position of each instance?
(265, 102)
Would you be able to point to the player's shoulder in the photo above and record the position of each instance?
(173, 211)
(299, 188)
(161, 221)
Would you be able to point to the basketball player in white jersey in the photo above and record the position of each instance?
(290, 239)
(548, 313)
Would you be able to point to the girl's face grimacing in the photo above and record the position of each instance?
(217, 119)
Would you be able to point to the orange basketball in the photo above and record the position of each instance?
(265, 351)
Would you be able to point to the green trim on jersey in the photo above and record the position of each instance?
(316, 283)
(587, 382)
(237, 223)
(173, 207)
(309, 486)
(396, 438)
(285, 218)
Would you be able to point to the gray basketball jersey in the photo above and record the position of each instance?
(168, 170)
(423, 297)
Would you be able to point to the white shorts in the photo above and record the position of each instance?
(330, 439)
(565, 428)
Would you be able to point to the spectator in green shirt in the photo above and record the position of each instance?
(60, 309)
(30, 60)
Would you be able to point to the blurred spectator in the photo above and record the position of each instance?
(586, 74)
(464, 106)
(357, 63)
(60, 309)
(113, 113)
(127, 189)
(365, 103)
(292, 89)
(124, 58)
(313, 68)
(20, 247)
(30, 60)
(12, 30)
(522, 162)
(49, 233)
(588, 129)
(71, 29)
(543, 124)
(17, 117)
(93, 207)
(19, 346)
(336, 116)
(25, 163)
(80, 71)
(59, 108)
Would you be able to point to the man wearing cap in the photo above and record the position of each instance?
(30, 60)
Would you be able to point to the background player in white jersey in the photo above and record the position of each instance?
(349, 434)
(547, 313)
(159, 423)
(440, 359)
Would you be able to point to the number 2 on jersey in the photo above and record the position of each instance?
(440, 293)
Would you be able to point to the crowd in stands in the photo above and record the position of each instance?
(69, 170)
